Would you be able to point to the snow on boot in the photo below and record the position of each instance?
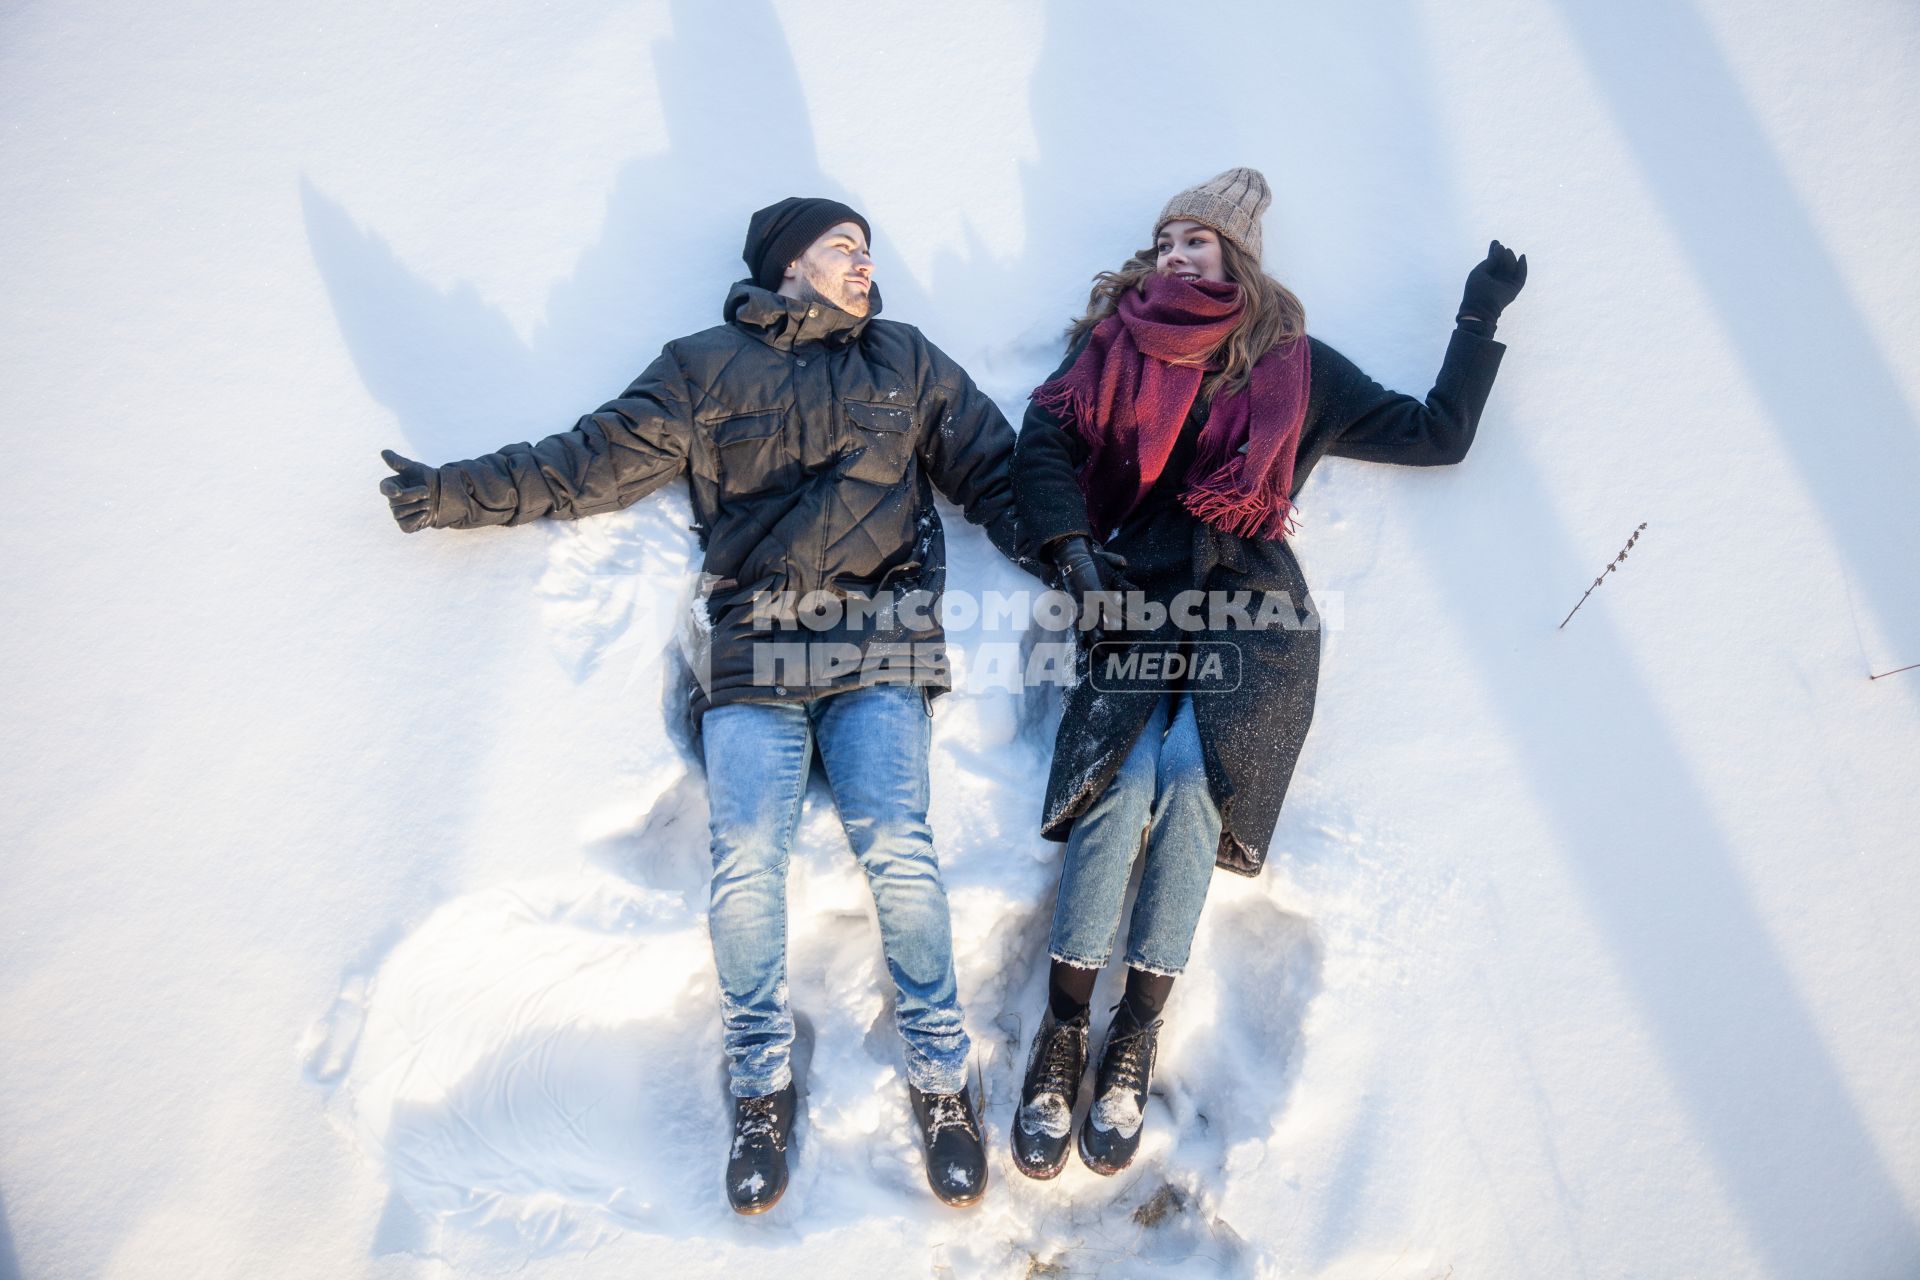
(1111, 1133)
(1044, 1124)
(956, 1154)
(757, 1165)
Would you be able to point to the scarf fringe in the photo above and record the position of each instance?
(1230, 511)
(1058, 399)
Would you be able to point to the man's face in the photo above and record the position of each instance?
(836, 269)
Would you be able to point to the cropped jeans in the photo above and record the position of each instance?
(874, 744)
(1160, 791)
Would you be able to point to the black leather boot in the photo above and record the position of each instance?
(757, 1164)
(956, 1153)
(1043, 1127)
(1111, 1133)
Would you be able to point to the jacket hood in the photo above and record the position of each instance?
(786, 322)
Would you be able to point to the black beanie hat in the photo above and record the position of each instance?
(780, 233)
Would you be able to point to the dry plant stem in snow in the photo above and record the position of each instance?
(1611, 566)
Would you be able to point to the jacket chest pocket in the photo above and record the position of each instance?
(880, 440)
(751, 454)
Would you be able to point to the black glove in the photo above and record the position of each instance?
(1091, 575)
(411, 492)
(1491, 286)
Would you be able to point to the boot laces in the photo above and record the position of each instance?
(1057, 1072)
(757, 1123)
(1129, 1058)
(946, 1111)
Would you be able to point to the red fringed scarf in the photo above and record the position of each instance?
(1127, 396)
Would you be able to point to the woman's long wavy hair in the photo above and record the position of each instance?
(1272, 315)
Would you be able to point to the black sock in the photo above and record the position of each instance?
(1069, 990)
(1146, 995)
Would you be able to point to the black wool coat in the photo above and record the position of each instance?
(1251, 735)
(812, 441)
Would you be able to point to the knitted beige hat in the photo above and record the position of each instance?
(1231, 204)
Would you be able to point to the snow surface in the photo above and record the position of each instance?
(351, 919)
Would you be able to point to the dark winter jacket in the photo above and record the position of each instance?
(1252, 735)
(813, 442)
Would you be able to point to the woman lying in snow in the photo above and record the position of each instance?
(1190, 410)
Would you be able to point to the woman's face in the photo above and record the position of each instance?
(1189, 251)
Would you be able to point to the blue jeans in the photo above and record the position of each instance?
(874, 743)
(1161, 790)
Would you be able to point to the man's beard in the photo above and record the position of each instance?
(816, 286)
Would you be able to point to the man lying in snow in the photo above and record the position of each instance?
(812, 435)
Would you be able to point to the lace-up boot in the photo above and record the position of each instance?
(956, 1154)
(1111, 1133)
(1043, 1127)
(757, 1164)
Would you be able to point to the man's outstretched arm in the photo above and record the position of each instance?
(612, 457)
